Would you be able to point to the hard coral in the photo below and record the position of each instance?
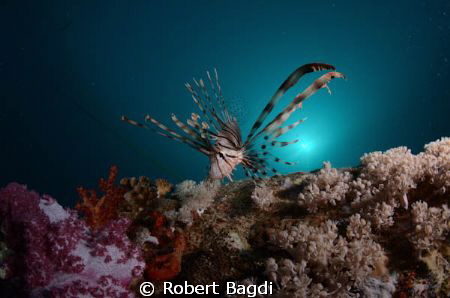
(56, 254)
(99, 211)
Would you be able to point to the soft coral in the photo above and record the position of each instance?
(99, 211)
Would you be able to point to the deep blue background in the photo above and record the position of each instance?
(69, 69)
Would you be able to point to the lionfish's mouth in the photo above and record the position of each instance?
(219, 136)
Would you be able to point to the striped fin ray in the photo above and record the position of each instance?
(297, 101)
(205, 133)
(279, 143)
(285, 86)
(257, 164)
(219, 90)
(132, 122)
(217, 93)
(171, 133)
(282, 130)
(209, 104)
(197, 99)
(175, 137)
(279, 160)
(186, 128)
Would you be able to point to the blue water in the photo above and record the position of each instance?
(69, 69)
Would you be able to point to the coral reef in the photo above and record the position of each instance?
(53, 253)
(377, 230)
(334, 232)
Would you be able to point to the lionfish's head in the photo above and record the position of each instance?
(228, 151)
(223, 163)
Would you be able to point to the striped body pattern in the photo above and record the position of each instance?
(216, 133)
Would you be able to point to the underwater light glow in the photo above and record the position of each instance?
(306, 146)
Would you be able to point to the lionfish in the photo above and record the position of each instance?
(219, 136)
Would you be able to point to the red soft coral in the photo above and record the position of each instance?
(99, 211)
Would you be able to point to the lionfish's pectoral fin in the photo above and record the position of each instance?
(167, 132)
(288, 83)
(282, 117)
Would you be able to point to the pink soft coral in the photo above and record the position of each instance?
(58, 254)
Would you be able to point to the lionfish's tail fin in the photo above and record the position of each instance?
(288, 83)
(167, 132)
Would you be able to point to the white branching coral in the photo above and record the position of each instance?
(358, 228)
(195, 198)
(381, 216)
(291, 278)
(337, 263)
(436, 163)
(362, 190)
(263, 196)
(397, 170)
(431, 225)
(185, 188)
(326, 188)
